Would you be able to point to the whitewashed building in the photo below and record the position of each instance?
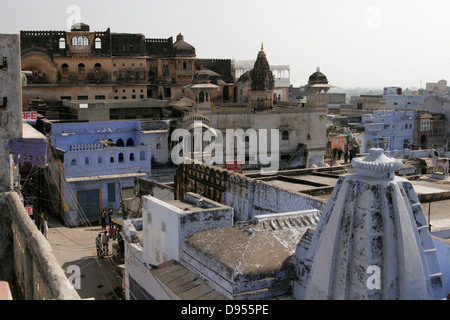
(165, 224)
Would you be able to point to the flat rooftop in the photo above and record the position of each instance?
(433, 194)
(195, 203)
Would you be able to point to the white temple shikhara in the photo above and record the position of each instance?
(372, 242)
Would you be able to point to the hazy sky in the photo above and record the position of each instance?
(356, 43)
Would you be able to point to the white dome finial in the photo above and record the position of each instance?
(376, 164)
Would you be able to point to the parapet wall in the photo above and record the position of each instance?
(248, 197)
(27, 258)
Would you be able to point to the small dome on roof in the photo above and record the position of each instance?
(79, 26)
(318, 78)
(181, 47)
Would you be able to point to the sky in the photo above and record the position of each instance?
(356, 43)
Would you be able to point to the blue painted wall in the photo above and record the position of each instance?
(398, 126)
(66, 134)
(89, 165)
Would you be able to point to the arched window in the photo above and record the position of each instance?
(158, 146)
(142, 156)
(120, 157)
(100, 160)
(285, 135)
(62, 43)
(130, 142)
(98, 71)
(85, 41)
(111, 159)
(131, 156)
(120, 143)
(74, 41)
(73, 162)
(86, 160)
(80, 41)
(65, 70)
(98, 43)
(81, 67)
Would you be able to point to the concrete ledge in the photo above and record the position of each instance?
(430, 197)
(47, 279)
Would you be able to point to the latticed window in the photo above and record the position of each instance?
(80, 41)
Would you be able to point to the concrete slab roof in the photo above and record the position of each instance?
(254, 249)
(184, 283)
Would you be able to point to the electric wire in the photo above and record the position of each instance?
(86, 222)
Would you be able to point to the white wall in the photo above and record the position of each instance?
(158, 141)
(443, 256)
(155, 238)
(170, 225)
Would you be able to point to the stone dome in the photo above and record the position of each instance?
(318, 78)
(181, 47)
(80, 27)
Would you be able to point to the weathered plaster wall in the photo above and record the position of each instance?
(64, 135)
(153, 188)
(248, 197)
(443, 256)
(305, 127)
(26, 256)
(11, 108)
(167, 224)
(373, 220)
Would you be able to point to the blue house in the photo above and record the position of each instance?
(396, 99)
(388, 129)
(96, 164)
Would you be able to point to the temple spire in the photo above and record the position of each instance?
(372, 242)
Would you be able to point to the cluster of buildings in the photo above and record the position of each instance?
(109, 102)
(251, 239)
(395, 120)
(106, 105)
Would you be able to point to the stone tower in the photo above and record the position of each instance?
(262, 84)
(317, 89)
(372, 242)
